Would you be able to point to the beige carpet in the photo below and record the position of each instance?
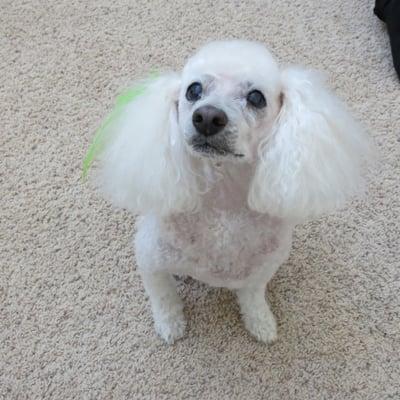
(74, 320)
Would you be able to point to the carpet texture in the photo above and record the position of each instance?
(74, 320)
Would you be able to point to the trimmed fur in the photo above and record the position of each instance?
(228, 219)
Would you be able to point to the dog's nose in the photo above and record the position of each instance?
(209, 120)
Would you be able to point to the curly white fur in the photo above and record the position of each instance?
(310, 163)
(228, 219)
(146, 160)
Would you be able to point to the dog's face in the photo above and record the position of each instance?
(234, 104)
(229, 98)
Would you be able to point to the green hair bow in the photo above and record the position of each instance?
(102, 134)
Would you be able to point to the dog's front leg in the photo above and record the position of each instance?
(256, 314)
(166, 305)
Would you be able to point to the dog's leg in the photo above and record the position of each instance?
(166, 305)
(256, 314)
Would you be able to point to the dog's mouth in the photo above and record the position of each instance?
(208, 149)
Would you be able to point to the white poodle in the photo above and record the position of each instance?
(221, 161)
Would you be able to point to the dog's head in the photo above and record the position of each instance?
(233, 103)
(230, 95)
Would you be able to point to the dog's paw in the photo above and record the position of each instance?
(262, 326)
(171, 327)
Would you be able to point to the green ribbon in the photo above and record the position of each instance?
(102, 134)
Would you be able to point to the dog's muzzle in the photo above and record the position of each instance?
(211, 138)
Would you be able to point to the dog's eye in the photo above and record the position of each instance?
(256, 99)
(194, 91)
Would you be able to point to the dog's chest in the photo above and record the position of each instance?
(222, 245)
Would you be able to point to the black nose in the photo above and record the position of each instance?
(209, 120)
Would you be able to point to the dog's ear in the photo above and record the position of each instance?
(143, 167)
(312, 160)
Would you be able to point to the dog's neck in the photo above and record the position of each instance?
(229, 186)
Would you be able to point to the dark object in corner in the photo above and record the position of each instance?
(389, 12)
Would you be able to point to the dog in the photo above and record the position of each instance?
(220, 162)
